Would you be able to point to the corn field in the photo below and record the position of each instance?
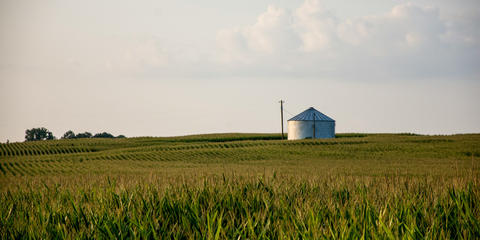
(243, 186)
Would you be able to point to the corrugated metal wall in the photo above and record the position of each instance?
(304, 129)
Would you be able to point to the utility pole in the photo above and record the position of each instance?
(281, 114)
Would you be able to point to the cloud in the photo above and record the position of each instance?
(408, 41)
(316, 26)
(273, 32)
(406, 26)
(309, 41)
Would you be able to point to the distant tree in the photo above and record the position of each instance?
(103, 135)
(120, 136)
(84, 135)
(69, 135)
(37, 134)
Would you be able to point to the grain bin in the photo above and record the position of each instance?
(311, 124)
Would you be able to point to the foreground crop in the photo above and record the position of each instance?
(225, 208)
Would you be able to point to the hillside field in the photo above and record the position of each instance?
(239, 186)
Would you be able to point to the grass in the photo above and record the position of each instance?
(230, 186)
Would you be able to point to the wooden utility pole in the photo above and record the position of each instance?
(281, 114)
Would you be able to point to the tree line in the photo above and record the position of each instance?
(38, 134)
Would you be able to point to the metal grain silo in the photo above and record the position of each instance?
(311, 124)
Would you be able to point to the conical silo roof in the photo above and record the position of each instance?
(311, 114)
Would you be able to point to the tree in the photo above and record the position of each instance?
(84, 135)
(103, 135)
(37, 134)
(120, 136)
(69, 135)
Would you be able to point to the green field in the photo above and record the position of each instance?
(239, 186)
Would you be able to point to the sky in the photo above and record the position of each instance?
(169, 68)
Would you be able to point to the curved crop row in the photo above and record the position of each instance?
(28, 149)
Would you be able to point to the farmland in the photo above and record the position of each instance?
(255, 186)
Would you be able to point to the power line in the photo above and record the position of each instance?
(291, 114)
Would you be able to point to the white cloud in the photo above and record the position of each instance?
(409, 40)
(308, 41)
(316, 26)
(272, 33)
(319, 29)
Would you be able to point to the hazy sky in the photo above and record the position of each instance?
(162, 68)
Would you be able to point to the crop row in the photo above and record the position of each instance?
(239, 144)
(43, 164)
(60, 156)
(195, 153)
(23, 169)
(19, 149)
(67, 147)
